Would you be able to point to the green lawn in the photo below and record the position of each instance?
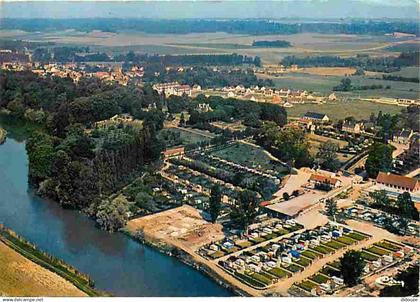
(307, 285)
(303, 262)
(334, 245)
(294, 268)
(261, 278)
(335, 264)
(249, 156)
(369, 257)
(250, 280)
(319, 278)
(378, 251)
(310, 255)
(388, 246)
(342, 109)
(216, 255)
(243, 244)
(323, 249)
(185, 137)
(357, 236)
(280, 273)
(346, 240)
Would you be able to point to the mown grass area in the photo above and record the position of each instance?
(322, 249)
(216, 255)
(329, 271)
(249, 280)
(303, 262)
(335, 264)
(378, 251)
(64, 270)
(243, 244)
(346, 240)
(342, 109)
(307, 285)
(184, 137)
(262, 278)
(294, 268)
(368, 256)
(250, 156)
(388, 246)
(319, 278)
(334, 244)
(357, 236)
(310, 255)
(280, 273)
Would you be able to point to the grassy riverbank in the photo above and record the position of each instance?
(31, 252)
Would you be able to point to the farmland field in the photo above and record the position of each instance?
(21, 277)
(342, 109)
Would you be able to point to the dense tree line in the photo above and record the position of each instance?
(378, 64)
(274, 44)
(233, 109)
(256, 27)
(207, 77)
(346, 85)
(68, 162)
(388, 77)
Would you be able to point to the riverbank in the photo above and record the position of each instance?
(179, 232)
(63, 271)
(3, 134)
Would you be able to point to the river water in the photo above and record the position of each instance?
(115, 262)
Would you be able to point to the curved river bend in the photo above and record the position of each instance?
(116, 263)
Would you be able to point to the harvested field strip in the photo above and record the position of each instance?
(55, 265)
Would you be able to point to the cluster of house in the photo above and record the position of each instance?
(175, 88)
(12, 59)
(326, 182)
(77, 71)
(284, 96)
(275, 70)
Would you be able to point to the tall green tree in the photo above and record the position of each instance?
(245, 209)
(215, 202)
(331, 207)
(379, 159)
(352, 265)
(327, 156)
(406, 206)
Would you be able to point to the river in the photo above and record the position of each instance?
(117, 264)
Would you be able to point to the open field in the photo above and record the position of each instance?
(187, 136)
(249, 156)
(302, 44)
(182, 227)
(324, 84)
(21, 277)
(340, 110)
(329, 71)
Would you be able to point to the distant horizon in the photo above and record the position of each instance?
(276, 10)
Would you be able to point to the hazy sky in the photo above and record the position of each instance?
(211, 9)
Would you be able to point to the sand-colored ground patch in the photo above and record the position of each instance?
(183, 227)
(329, 71)
(21, 277)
